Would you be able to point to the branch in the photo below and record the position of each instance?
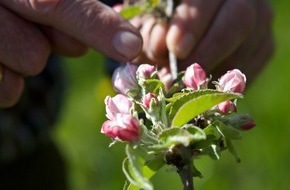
(181, 157)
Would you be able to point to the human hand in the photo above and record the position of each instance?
(220, 35)
(31, 29)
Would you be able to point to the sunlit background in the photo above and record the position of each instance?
(265, 151)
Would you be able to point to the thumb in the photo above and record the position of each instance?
(89, 21)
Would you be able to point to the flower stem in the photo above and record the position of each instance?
(173, 65)
(181, 157)
(186, 176)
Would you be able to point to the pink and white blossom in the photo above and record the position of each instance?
(124, 78)
(227, 107)
(118, 104)
(145, 71)
(148, 98)
(233, 81)
(125, 127)
(165, 77)
(195, 77)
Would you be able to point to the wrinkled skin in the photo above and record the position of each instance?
(31, 29)
(219, 35)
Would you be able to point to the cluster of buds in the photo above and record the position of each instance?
(170, 119)
(123, 126)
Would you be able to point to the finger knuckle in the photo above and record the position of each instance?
(32, 60)
(10, 89)
(23, 47)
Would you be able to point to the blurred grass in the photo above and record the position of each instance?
(265, 151)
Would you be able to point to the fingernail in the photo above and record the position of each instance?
(127, 44)
(184, 46)
(44, 5)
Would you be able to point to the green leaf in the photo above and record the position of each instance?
(195, 171)
(210, 139)
(154, 2)
(227, 130)
(232, 150)
(131, 11)
(132, 168)
(196, 102)
(175, 97)
(212, 130)
(152, 85)
(138, 169)
(153, 165)
(174, 136)
(196, 131)
(212, 151)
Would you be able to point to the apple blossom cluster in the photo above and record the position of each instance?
(122, 125)
(170, 119)
(169, 122)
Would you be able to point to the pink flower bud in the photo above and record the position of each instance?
(126, 128)
(117, 104)
(145, 71)
(233, 81)
(195, 77)
(227, 107)
(165, 77)
(148, 98)
(124, 78)
(249, 125)
(241, 121)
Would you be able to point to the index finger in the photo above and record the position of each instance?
(89, 21)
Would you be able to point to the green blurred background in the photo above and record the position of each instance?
(265, 151)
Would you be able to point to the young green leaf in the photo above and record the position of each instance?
(174, 136)
(213, 151)
(232, 150)
(130, 12)
(139, 169)
(195, 171)
(190, 105)
(154, 2)
(152, 85)
(132, 168)
(227, 131)
(210, 140)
